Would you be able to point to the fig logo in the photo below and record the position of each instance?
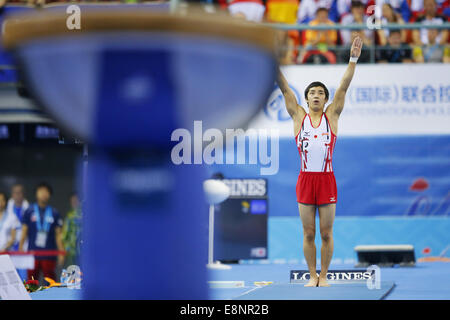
(425, 205)
(420, 206)
(420, 184)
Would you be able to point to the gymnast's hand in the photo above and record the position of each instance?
(355, 50)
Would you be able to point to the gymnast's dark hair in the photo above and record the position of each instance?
(316, 84)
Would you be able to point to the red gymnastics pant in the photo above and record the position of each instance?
(316, 188)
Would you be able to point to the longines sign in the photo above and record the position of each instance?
(300, 276)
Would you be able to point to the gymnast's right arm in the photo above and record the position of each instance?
(294, 110)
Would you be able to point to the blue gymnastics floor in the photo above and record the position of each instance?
(425, 281)
(296, 291)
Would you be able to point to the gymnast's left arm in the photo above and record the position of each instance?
(336, 107)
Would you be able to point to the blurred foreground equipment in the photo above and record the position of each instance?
(123, 83)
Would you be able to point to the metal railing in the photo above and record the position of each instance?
(358, 26)
(338, 50)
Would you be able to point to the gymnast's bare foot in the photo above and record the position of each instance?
(313, 281)
(323, 281)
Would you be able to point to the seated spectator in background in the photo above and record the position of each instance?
(418, 6)
(430, 17)
(356, 16)
(252, 10)
(344, 7)
(42, 224)
(8, 225)
(320, 39)
(401, 7)
(344, 52)
(323, 38)
(71, 231)
(396, 51)
(308, 8)
(432, 51)
(390, 16)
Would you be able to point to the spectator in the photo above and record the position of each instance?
(400, 7)
(417, 6)
(432, 51)
(71, 231)
(320, 39)
(17, 206)
(430, 17)
(252, 10)
(390, 16)
(308, 8)
(8, 225)
(396, 51)
(356, 16)
(344, 7)
(42, 224)
(344, 52)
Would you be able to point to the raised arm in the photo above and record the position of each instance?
(293, 108)
(336, 107)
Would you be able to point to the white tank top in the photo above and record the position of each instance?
(316, 145)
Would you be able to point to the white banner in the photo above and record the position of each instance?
(383, 99)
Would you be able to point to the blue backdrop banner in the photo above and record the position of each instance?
(376, 176)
